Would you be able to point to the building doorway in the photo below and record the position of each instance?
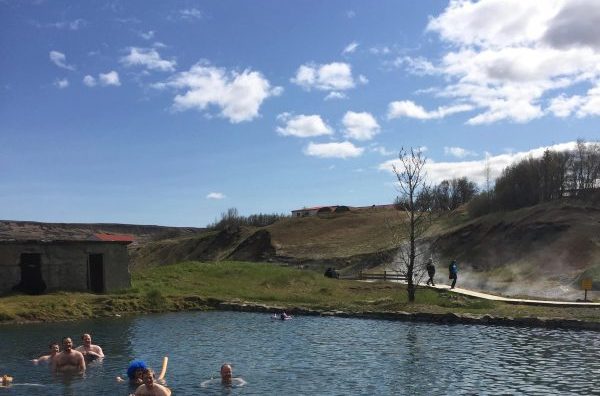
(96, 273)
(31, 274)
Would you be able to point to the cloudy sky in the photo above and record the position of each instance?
(169, 113)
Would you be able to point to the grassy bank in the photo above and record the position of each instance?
(193, 285)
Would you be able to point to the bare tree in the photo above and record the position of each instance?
(408, 233)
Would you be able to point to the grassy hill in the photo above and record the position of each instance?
(541, 251)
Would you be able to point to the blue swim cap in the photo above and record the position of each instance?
(135, 365)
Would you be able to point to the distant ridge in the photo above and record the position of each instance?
(15, 229)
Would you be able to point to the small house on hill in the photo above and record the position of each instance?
(317, 210)
(34, 264)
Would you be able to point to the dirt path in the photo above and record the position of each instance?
(515, 300)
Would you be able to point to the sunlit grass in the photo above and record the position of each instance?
(190, 285)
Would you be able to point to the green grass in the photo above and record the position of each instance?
(191, 285)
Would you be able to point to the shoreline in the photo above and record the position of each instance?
(197, 303)
(442, 318)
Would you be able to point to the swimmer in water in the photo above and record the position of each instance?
(88, 350)
(6, 380)
(54, 350)
(135, 373)
(150, 387)
(284, 316)
(69, 360)
(227, 376)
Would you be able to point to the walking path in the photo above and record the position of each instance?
(515, 300)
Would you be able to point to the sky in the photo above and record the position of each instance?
(169, 113)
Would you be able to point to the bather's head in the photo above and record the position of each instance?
(226, 373)
(136, 370)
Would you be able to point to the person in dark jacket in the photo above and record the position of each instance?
(453, 269)
(431, 272)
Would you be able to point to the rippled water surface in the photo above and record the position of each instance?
(312, 356)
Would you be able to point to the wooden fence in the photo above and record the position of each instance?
(385, 276)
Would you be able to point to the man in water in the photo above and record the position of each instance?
(69, 360)
(54, 350)
(227, 376)
(90, 352)
(284, 316)
(151, 388)
(6, 380)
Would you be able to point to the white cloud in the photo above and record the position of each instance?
(333, 150)
(407, 108)
(69, 25)
(190, 13)
(360, 126)
(350, 14)
(515, 60)
(380, 50)
(237, 95)
(62, 83)
(104, 79)
(382, 151)
(458, 152)
(303, 126)
(582, 106)
(563, 106)
(350, 48)
(60, 60)
(335, 95)
(419, 65)
(110, 78)
(148, 58)
(475, 170)
(89, 81)
(147, 35)
(215, 195)
(336, 76)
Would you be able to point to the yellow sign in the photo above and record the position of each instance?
(586, 284)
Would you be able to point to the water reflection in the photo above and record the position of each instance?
(311, 355)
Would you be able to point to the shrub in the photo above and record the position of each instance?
(155, 298)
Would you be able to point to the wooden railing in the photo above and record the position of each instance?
(385, 276)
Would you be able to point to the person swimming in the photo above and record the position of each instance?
(135, 372)
(284, 316)
(150, 387)
(69, 360)
(227, 378)
(88, 350)
(6, 380)
(54, 350)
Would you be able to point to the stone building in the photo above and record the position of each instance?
(96, 263)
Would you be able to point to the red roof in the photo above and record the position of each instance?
(115, 237)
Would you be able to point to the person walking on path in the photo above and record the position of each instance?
(431, 272)
(453, 269)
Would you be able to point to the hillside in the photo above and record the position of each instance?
(541, 251)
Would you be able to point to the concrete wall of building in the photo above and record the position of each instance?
(64, 265)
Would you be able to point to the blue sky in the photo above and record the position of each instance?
(169, 113)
